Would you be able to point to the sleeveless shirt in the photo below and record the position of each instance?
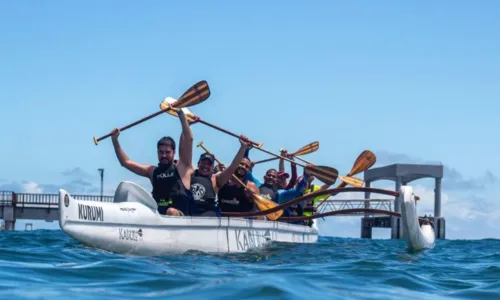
(232, 198)
(168, 189)
(203, 194)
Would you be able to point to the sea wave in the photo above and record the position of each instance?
(49, 264)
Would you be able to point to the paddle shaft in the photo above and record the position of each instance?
(265, 160)
(293, 154)
(275, 158)
(197, 93)
(307, 162)
(131, 124)
(226, 131)
(259, 146)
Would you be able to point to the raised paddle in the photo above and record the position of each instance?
(165, 104)
(328, 175)
(261, 202)
(198, 93)
(312, 195)
(364, 161)
(309, 148)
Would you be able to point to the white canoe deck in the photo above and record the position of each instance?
(135, 228)
(132, 225)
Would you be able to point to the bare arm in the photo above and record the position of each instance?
(184, 165)
(139, 169)
(293, 179)
(222, 177)
(252, 187)
(282, 161)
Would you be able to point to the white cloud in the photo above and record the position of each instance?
(32, 187)
(466, 217)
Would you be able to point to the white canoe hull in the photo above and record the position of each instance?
(133, 226)
(417, 237)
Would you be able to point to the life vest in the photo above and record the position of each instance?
(232, 198)
(313, 188)
(268, 192)
(168, 189)
(202, 190)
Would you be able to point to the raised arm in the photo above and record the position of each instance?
(125, 161)
(282, 161)
(222, 177)
(286, 195)
(293, 179)
(184, 166)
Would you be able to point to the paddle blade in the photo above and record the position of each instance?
(169, 100)
(327, 175)
(310, 148)
(364, 161)
(195, 95)
(352, 181)
(265, 204)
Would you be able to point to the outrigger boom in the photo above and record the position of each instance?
(131, 224)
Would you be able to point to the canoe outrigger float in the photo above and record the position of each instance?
(131, 224)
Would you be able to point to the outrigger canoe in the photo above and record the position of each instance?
(131, 224)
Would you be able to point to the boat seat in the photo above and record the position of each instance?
(130, 192)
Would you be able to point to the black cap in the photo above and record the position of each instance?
(207, 156)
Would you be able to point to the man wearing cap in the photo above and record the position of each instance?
(280, 182)
(205, 184)
(269, 191)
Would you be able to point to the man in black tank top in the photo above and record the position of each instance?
(205, 184)
(171, 181)
(235, 198)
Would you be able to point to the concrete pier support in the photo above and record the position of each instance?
(367, 203)
(440, 228)
(437, 198)
(397, 201)
(9, 218)
(366, 228)
(396, 228)
(403, 174)
(10, 225)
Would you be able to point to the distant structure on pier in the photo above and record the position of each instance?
(402, 174)
(14, 206)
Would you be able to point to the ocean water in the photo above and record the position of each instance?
(48, 264)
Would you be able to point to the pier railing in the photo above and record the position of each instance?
(342, 204)
(31, 199)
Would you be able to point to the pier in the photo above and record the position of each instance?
(15, 206)
(402, 174)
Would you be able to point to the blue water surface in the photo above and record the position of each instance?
(48, 264)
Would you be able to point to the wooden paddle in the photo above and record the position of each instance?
(198, 93)
(195, 118)
(261, 202)
(328, 175)
(364, 161)
(312, 195)
(309, 148)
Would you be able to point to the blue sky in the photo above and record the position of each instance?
(410, 80)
